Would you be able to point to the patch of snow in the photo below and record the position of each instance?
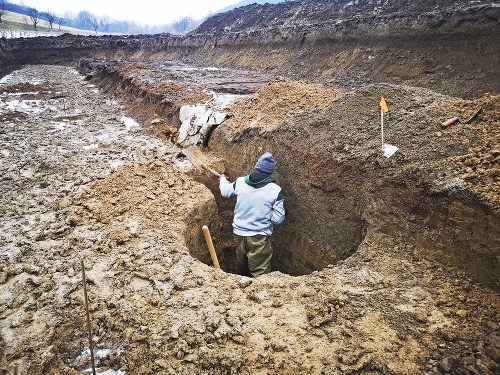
(25, 106)
(99, 354)
(24, 93)
(115, 164)
(111, 102)
(132, 226)
(13, 34)
(221, 101)
(129, 123)
(60, 125)
(27, 173)
(103, 137)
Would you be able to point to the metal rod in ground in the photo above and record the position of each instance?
(91, 346)
(208, 238)
(382, 127)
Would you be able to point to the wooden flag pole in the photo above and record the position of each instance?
(383, 108)
(387, 149)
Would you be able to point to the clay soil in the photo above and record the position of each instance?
(80, 183)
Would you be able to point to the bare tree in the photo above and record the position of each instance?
(122, 26)
(2, 9)
(51, 19)
(105, 22)
(82, 19)
(182, 25)
(93, 21)
(34, 16)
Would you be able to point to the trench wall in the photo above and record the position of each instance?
(449, 229)
(462, 61)
(144, 104)
(331, 205)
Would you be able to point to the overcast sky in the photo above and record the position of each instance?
(152, 12)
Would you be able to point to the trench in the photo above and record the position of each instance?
(304, 243)
(327, 224)
(301, 246)
(325, 227)
(333, 203)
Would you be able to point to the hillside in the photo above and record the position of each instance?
(15, 25)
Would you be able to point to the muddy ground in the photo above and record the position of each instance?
(82, 181)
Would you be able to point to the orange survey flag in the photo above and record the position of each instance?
(383, 105)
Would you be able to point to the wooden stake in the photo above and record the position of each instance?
(208, 238)
(88, 318)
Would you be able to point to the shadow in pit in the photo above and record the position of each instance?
(328, 216)
(302, 244)
(294, 254)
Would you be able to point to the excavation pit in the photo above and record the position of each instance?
(419, 294)
(451, 228)
(426, 237)
(339, 187)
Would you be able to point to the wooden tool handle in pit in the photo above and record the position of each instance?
(208, 238)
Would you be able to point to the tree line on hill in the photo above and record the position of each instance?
(85, 20)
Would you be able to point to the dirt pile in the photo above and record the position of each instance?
(349, 17)
(277, 100)
(25, 88)
(481, 167)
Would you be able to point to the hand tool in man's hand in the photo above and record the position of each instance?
(196, 158)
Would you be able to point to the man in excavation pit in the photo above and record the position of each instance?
(259, 207)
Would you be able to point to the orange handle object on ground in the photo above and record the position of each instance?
(449, 122)
(208, 238)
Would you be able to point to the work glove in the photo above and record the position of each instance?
(221, 176)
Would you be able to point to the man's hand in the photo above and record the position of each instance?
(221, 176)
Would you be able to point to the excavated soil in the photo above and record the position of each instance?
(383, 265)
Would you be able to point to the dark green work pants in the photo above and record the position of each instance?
(253, 254)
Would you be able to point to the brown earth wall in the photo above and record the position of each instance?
(462, 61)
(332, 205)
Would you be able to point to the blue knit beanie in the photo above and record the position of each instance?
(265, 163)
